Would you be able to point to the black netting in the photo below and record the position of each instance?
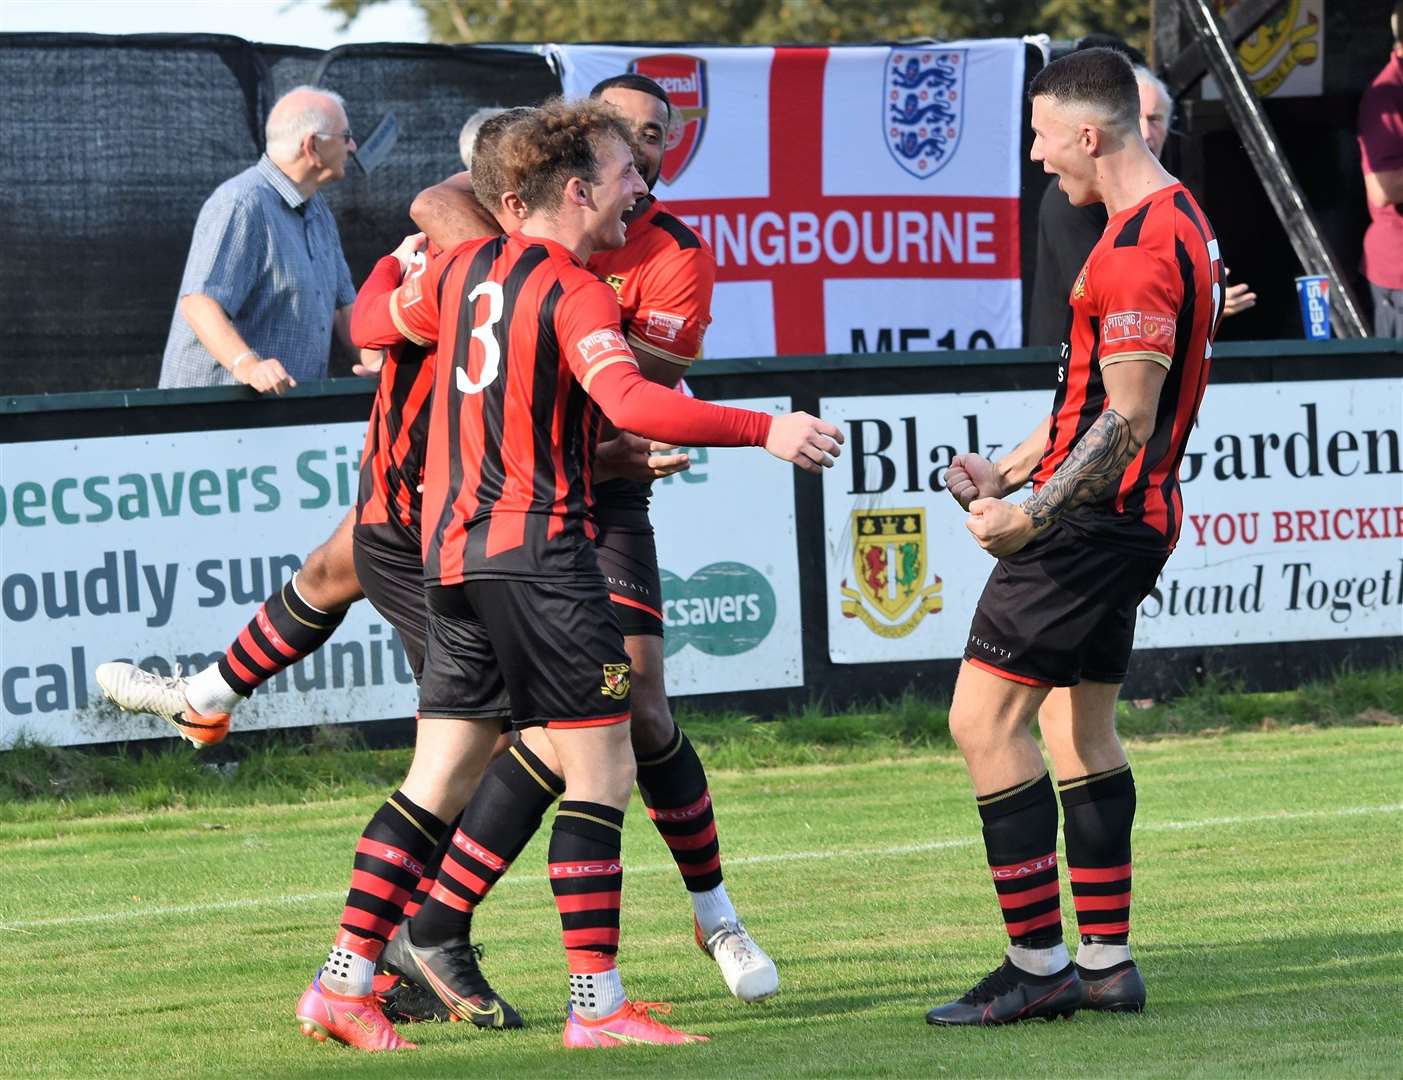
(112, 144)
(432, 91)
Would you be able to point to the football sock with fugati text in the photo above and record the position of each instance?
(1020, 840)
(674, 788)
(284, 630)
(389, 861)
(586, 878)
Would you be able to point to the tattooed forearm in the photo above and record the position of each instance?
(1089, 471)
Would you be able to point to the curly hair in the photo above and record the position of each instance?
(540, 153)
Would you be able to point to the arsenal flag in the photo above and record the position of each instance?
(858, 199)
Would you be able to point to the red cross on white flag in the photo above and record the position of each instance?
(857, 199)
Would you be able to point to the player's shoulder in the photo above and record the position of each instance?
(667, 248)
(1155, 230)
(581, 289)
(576, 279)
(457, 260)
(670, 231)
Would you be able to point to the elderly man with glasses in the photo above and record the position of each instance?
(266, 284)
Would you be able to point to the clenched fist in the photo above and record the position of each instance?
(971, 477)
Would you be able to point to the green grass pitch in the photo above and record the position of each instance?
(1266, 915)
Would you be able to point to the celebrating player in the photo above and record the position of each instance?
(1053, 630)
(663, 276)
(520, 625)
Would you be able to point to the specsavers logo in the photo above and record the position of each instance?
(889, 564)
(723, 609)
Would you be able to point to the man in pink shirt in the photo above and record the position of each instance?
(1381, 153)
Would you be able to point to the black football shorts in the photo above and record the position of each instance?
(1061, 610)
(393, 581)
(628, 559)
(541, 653)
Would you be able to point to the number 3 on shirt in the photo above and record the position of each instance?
(491, 351)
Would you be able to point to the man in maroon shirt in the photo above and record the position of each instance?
(1381, 154)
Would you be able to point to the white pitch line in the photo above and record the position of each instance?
(655, 868)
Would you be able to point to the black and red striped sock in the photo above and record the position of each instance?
(504, 814)
(285, 629)
(389, 861)
(586, 877)
(1099, 811)
(1020, 839)
(426, 881)
(674, 789)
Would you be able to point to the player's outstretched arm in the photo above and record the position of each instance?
(632, 403)
(804, 440)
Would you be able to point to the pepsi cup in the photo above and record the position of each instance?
(1314, 293)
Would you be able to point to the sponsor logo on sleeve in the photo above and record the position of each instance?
(602, 344)
(663, 326)
(1158, 328)
(1121, 326)
(1151, 327)
(412, 291)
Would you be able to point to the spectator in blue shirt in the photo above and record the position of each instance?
(266, 284)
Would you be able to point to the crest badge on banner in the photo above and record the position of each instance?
(1283, 56)
(889, 564)
(684, 79)
(923, 106)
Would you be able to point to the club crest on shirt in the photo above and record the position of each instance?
(923, 107)
(615, 681)
(889, 565)
(684, 79)
(615, 282)
(1079, 289)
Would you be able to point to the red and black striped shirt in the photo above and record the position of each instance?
(1151, 289)
(512, 430)
(392, 461)
(528, 340)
